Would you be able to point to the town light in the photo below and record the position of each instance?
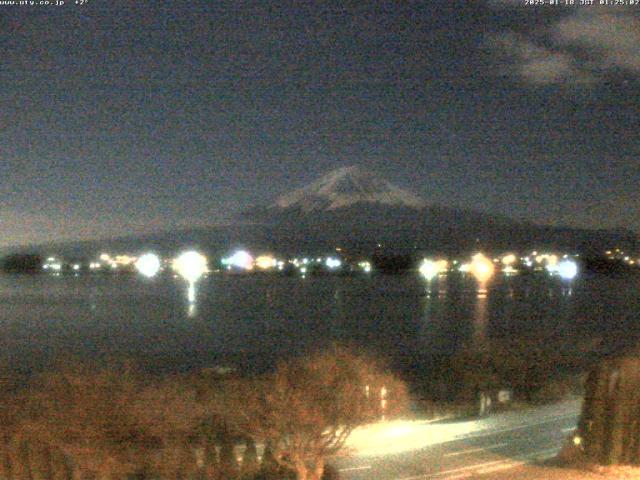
(240, 259)
(190, 266)
(148, 264)
(365, 266)
(567, 269)
(481, 267)
(429, 269)
(265, 262)
(509, 259)
(332, 263)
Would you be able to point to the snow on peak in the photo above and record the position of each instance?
(347, 186)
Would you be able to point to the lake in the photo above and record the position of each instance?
(251, 321)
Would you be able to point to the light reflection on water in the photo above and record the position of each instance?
(252, 321)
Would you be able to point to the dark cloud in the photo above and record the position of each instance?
(579, 49)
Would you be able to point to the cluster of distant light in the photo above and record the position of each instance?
(483, 268)
(244, 261)
(150, 264)
(192, 265)
(52, 264)
(555, 264)
(620, 255)
(57, 265)
(116, 262)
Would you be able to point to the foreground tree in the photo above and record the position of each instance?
(80, 421)
(170, 414)
(308, 408)
(610, 421)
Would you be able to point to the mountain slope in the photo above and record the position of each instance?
(345, 187)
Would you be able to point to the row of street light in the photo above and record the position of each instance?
(482, 268)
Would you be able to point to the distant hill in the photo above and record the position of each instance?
(355, 209)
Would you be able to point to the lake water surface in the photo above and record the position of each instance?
(252, 321)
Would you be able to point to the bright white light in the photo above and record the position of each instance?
(240, 259)
(429, 269)
(76, 267)
(148, 264)
(567, 269)
(190, 265)
(332, 263)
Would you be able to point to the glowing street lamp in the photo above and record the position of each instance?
(481, 267)
(148, 265)
(567, 269)
(331, 262)
(429, 269)
(191, 266)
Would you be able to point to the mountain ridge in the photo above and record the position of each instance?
(347, 186)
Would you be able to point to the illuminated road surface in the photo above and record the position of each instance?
(456, 450)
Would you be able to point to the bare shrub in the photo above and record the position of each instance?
(308, 408)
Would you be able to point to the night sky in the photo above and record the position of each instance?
(122, 116)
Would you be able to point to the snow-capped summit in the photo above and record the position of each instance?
(347, 186)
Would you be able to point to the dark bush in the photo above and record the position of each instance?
(21, 263)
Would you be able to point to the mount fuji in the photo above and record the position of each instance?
(345, 187)
(353, 208)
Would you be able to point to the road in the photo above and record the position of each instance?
(448, 450)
